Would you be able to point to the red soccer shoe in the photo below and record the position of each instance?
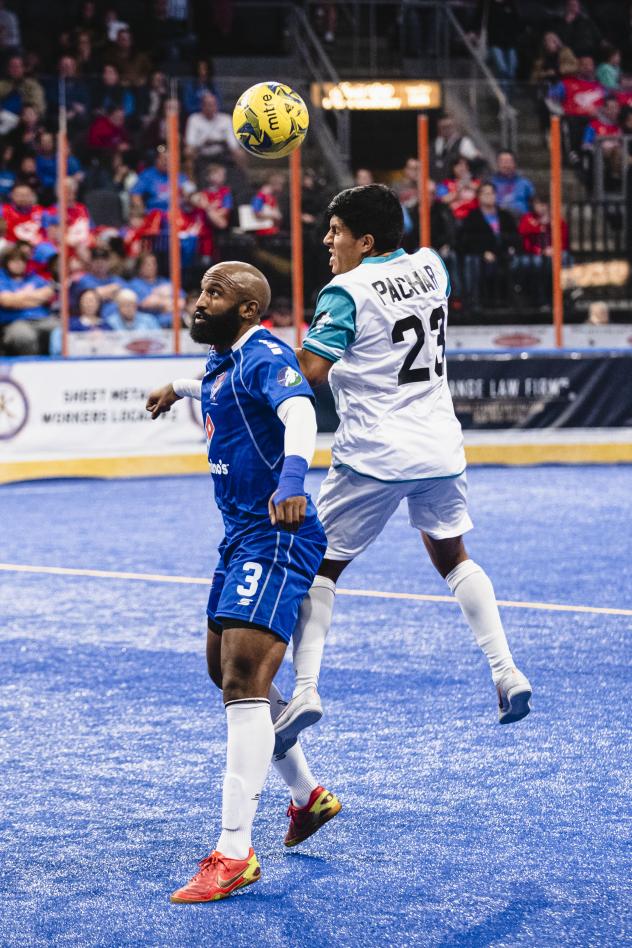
(321, 807)
(218, 878)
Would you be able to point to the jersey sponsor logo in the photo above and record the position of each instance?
(289, 377)
(218, 467)
(209, 427)
(244, 602)
(217, 384)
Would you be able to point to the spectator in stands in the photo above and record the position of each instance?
(362, 177)
(76, 92)
(78, 223)
(7, 174)
(100, 277)
(153, 111)
(265, 205)
(604, 132)
(513, 191)
(608, 72)
(503, 26)
(126, 315)
(209, 135)
(113, 24)
(9, 29)
(576, 30)
(458, 191)
(87, 318)
(23, 216)
(108, 133)
(24, 306)
(46, 166)
(450, 144)
(196, 88)
(88, 59)
(604, 125)
(18, 90)
(133, 67)
(154, 292)
(216, 200)
(27, 174)
(535, 229)
(152, 187)
(554, 61)
(89, 22)
(532, 271)
(111, 93)
(578, 97)
(406, 187)
(24, 136)
(488, 240)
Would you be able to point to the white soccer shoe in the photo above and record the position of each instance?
(300, 712)
(514, 696)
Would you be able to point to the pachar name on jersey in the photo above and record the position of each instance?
(406, 286)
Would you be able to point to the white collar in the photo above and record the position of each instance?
(244, 339)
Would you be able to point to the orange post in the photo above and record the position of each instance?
(173, 153)
(296, 228)
(62, 210)
(422, 180)
(556, 230)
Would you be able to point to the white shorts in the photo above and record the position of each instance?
(354, 509)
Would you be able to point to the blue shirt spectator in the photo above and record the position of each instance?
(513, 192)
(22, 295)
(127, 317)
(153, 184)
(99, 278)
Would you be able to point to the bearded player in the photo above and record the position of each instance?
(378, 336)
(260, 426)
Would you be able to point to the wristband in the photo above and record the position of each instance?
(292, 479)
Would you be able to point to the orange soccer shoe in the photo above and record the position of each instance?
(321, 807)
(218, 878)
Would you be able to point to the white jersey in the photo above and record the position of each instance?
(384, 325)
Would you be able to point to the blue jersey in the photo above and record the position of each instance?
(241, 391)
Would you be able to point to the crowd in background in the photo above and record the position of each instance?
(488, 223)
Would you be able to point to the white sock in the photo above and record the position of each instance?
(308, 640)
(249, 749)
(292, 766)
(473, 590)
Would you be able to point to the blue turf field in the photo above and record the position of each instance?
(455, 831)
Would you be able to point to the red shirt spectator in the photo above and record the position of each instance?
(535, 230)
(78, 223)
(582, 93)
(217, 199)
(265, 204)
(23, 217)
(108, 132)
(459, 191)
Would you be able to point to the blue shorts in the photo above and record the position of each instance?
(262, 578)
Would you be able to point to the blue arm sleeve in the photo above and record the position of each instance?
(334, 326)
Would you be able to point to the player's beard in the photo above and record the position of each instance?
(219, 330)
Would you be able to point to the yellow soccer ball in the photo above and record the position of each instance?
(270, 120)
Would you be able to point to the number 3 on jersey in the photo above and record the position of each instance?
(407, 373)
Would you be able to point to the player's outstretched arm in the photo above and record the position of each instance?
(161, 399)
(288, 504)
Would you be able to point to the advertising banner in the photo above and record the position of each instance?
(571, 390)
(80, 409)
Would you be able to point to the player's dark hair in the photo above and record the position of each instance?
(371, 209)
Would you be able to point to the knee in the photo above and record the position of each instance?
(240, 679)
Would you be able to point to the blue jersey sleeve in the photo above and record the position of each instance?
(278, 378)
(333, 328)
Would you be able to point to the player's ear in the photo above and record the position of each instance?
(368, 244)
(249, 309)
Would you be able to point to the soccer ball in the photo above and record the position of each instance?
(270, 120)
